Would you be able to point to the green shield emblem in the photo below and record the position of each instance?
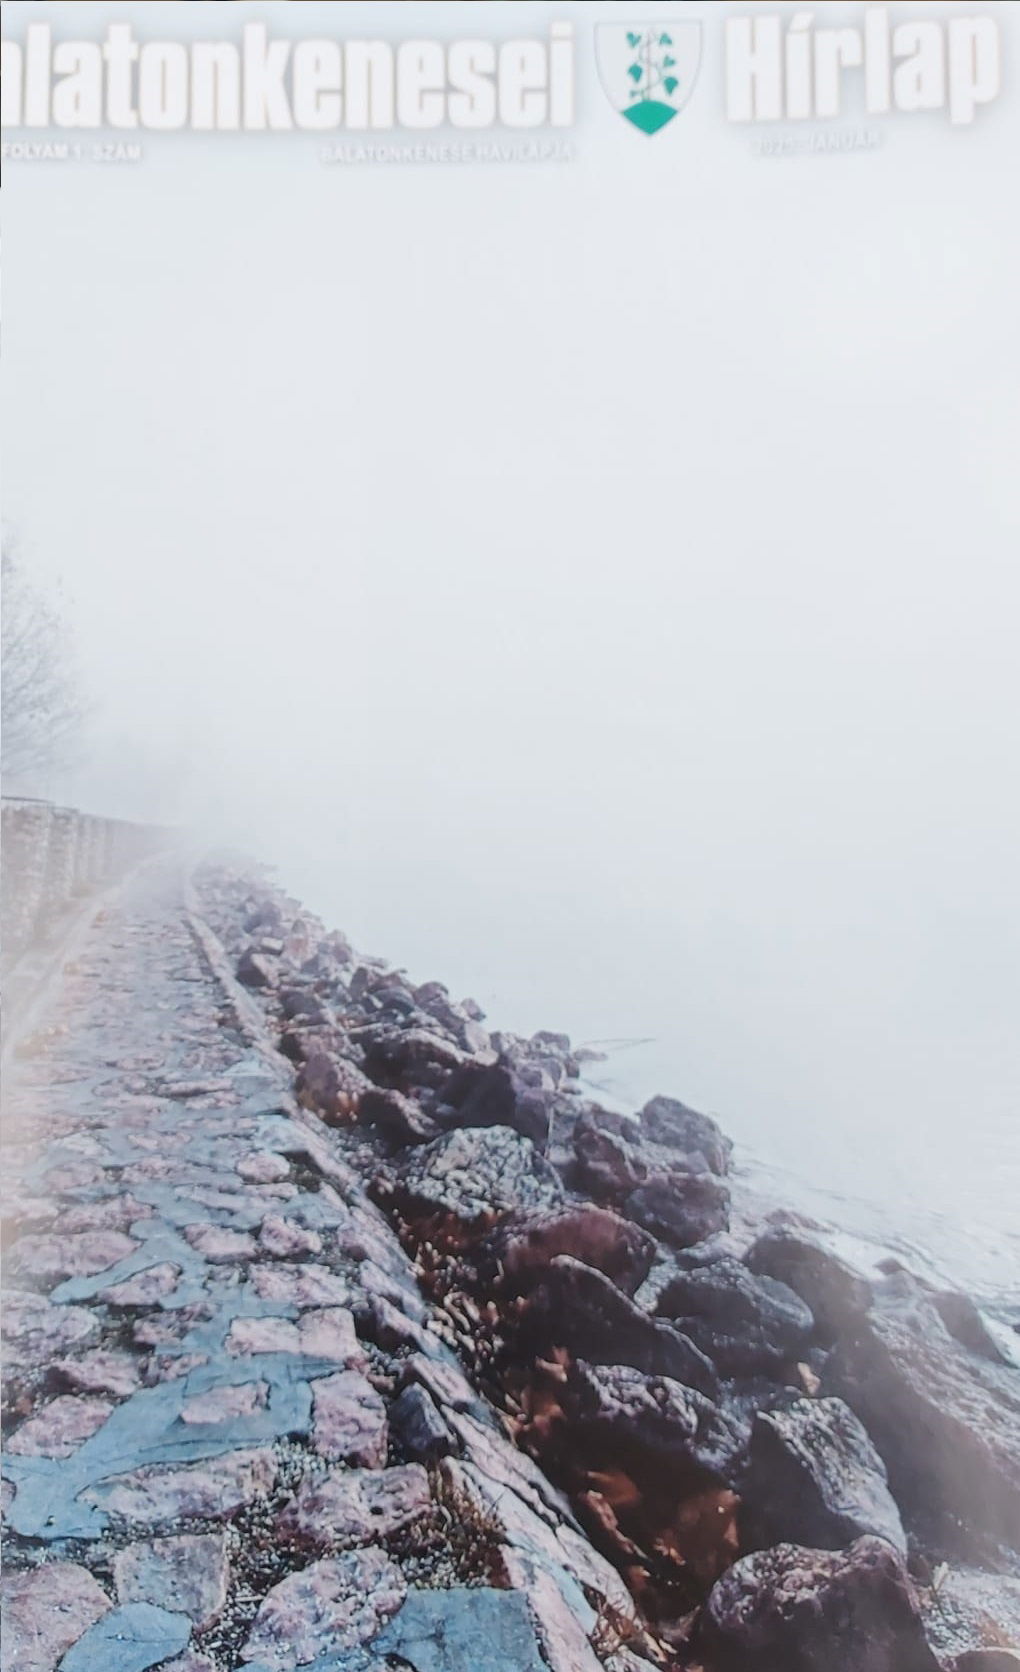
(648, 70)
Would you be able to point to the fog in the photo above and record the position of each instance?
(592, 583)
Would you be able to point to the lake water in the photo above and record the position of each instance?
(862, 1082)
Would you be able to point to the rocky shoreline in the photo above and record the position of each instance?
(565, 1409)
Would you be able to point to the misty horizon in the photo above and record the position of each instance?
(590, 584)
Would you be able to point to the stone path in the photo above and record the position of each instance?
(316, 1286)
(235, 1434)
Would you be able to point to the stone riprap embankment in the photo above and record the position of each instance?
(344, 1334)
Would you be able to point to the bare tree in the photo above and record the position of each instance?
(40, 712)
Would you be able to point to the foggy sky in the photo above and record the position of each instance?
(592, 583)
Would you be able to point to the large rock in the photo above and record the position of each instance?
(577, 1308)
(964, 1320)
(418, 1427)
(399, 1118)
(331, 1087)
(187, 1574)
(661, 1432)
(791, 1609)
(519, 1250)
(663, 1169)
(667, 1122)
(354, 1506)
(349, 1420)
(329, 1608)
(607, 1154)
(255, 969)
(463, 1630)
(303, 1004)
(680, 1207)
(816, 1479)
(60, 1427)
(744, 1323)
(499, 1095)
(946, 1421)
(36, 1331)
(45, 1610)
(49, 1259)
(652, 1464)
(989, 1660)
(210, 1491)
(406, 1059)
(616, 1153)
(836, 1293)
(99, 1371)
(469, 1179)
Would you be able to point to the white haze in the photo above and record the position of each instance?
(593, 584)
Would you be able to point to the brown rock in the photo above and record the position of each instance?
(837, 1295)
(210, 1491)
(404, 1058)
(815, 1478)
(666, 1435)
(617, 1154)
(329, 1333)
(349, 1420)
(45, 1610)
(354, 1507)
(577, 1308)
(989, 1660)
(945, 1420)
(59, 1428)
(263, 1167)
(188, 1574)
(301, 1286)
(683, 1208)
(331, 1087)
(100, 1371)
(744, 1323)
(399, 1118)
(117, 1213)
(145, 1289)
(36, 1330)
(523, 1245)
(218, 1244)
(51, 1259)
(286, 1241)
(498, 1094)
(816, 1611)
(669, 1123)
(329, 1608)
(262, 1335)
(256, 970)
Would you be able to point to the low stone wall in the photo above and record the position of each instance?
(51, 856)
